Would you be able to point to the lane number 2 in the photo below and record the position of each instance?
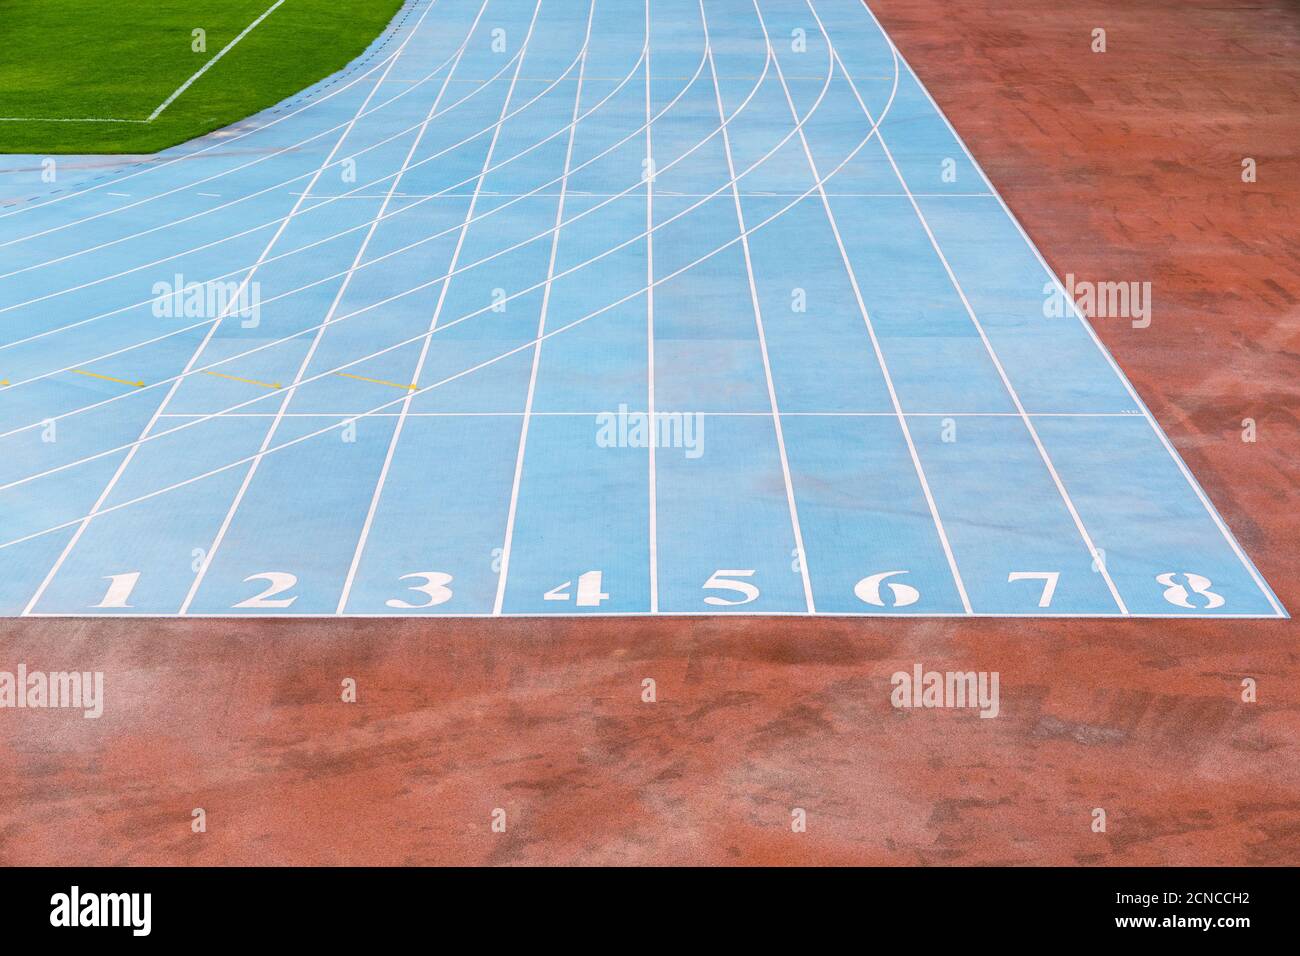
(278, 582)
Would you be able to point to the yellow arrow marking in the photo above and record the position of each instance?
(109, 378)
(246, 381)
(379, 381)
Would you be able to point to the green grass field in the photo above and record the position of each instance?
(121, 59)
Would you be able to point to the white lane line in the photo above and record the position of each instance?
(758, 322)
(649, 172)
(1098, 561)
(1210, 509)
(871, 332)
(194, 357)
(508, 543)
(380, 483)
(211, 63)
(211, 553)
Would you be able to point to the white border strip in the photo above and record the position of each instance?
(702, 615)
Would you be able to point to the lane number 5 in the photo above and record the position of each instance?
(720, 580)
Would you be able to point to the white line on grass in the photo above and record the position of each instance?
(211, 63)
(290, 148)
(165, 103)
(64, 119)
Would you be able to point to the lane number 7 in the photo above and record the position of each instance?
(1049, 579)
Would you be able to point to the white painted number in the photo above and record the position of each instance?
(280, 581)
(1179, 596)
(718, 581)
(434, 588)
(119, 590)
(1049, 579)
(868, 590)
(589, 592)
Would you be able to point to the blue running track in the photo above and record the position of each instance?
(553, 307)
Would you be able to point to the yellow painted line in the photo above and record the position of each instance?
(246, 381)
(379, 381)
(109, 378)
